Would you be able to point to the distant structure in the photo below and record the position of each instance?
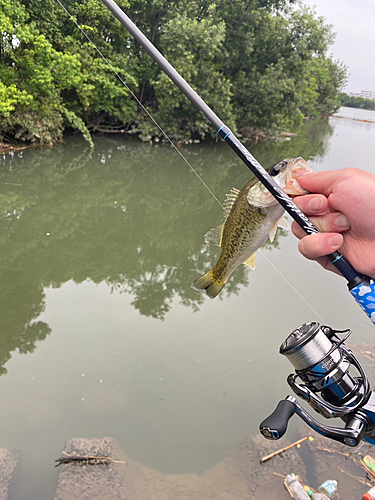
(367, 94)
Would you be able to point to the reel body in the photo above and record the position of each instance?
(322, 378)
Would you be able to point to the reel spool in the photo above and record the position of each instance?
(322, 378)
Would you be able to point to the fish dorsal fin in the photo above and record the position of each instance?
(283, 223)
(229, 201)
(214, 235)
(250, 262)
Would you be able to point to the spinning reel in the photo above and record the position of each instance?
(322, 378)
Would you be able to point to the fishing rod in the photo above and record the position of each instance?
(361, 287)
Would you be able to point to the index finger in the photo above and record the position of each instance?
(322, 182)
(311, 204)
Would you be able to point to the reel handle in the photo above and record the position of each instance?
(274, 426)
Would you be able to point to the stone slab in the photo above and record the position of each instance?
(92, 481)
(9, 460)
(240, 476)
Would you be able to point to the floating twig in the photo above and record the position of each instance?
(330, 450)
(268, 457)
(356, 459)
(360, 479)
(82, 459)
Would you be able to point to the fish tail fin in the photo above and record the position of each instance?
(209, 284)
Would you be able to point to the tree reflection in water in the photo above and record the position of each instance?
(129, 214)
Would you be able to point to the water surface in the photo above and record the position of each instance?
(101, 334)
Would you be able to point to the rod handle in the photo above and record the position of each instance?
(274, 426)
(364, 295)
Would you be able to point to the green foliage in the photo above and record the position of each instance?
(260, 64)
(274, 64)
(10, 96)
(76, 122)
(33, 77)
(331, 76)
(194, 47)
(356, 102)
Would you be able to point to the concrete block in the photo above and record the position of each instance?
(9, 459)
(92, 480)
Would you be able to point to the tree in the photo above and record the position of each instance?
(260, 64)
(356, 102)
(274, 53)
(194, 46)
(33, 77)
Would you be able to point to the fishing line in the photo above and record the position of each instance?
(292, 287)
(138, 101)
(171, 142)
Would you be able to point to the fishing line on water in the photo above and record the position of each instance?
(138, 101)
(172, 144)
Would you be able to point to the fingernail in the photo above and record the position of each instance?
(335, 240)
(342, 221)
(299, 172)
(316, 203)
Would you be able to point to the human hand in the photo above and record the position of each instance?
(342, 206)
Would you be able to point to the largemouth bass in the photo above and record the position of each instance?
(251, 216)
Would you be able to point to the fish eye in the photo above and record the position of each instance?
(274, 170)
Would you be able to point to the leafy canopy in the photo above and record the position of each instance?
(262, 65)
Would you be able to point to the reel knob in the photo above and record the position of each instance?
(274, 426)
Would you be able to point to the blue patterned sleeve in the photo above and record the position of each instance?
(365, 296)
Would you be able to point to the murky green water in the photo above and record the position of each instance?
(101, 334)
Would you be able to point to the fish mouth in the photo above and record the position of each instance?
(258, 195)
(292, 186)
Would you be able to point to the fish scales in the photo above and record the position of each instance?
(239, 232)
(251, 216)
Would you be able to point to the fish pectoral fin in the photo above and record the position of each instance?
(273, 231)
(250, 262)
(214, 235)
(283, 223)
